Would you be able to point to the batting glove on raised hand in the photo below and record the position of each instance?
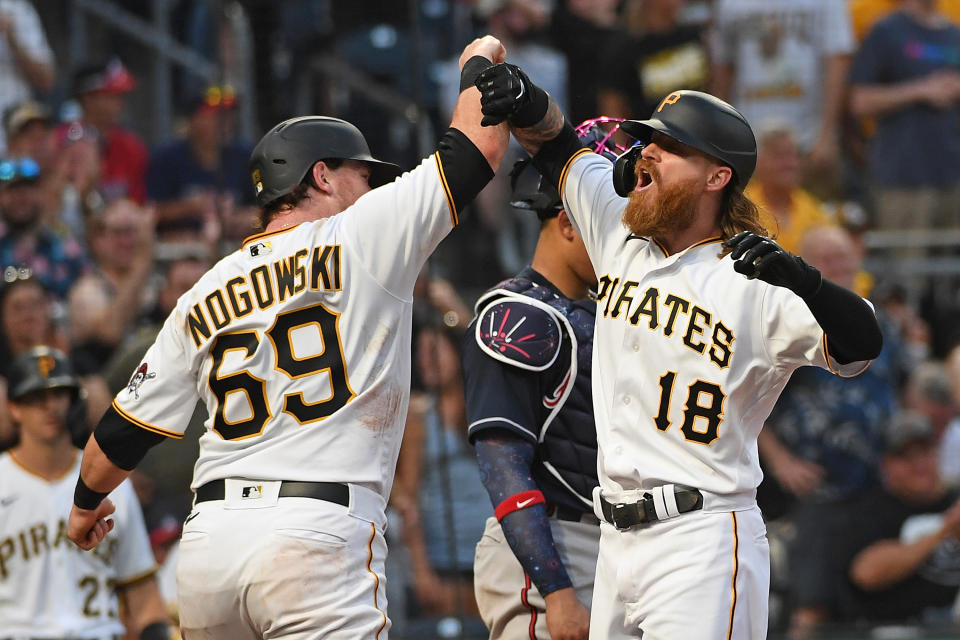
(506, 93)
(758, 257)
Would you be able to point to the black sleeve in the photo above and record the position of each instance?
(554, 154)
(123, 442)
(853, 333)
(465, 169)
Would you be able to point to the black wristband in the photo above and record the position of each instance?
(86, 498)
(156, 631)
(471, 69)
(533, 111)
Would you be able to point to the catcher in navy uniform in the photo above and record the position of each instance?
(526, 362)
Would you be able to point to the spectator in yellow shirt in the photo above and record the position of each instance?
(864, 13)
(786, 209)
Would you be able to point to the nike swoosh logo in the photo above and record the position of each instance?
(521, 505)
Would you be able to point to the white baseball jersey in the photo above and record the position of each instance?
(689, 355)
(49, 587)
(298, 344)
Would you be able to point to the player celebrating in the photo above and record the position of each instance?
(47, 588)
(690, 354)
(527, 358)
(299, 345)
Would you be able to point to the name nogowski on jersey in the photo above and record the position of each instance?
(300, 326)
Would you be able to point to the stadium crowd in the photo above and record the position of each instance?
(856, 105)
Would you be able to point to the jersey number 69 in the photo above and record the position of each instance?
(330, 360)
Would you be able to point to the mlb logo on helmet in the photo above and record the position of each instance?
(257, 182)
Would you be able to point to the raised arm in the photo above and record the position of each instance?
(491, 141)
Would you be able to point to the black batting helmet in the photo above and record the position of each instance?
(37, 369)
(704, 122)
(286, 153)
(47, 368)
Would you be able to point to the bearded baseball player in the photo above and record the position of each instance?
(48, 587)
(299, 345)
(692, 349)
(526, 361)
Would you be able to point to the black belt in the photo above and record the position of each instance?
(624, 515)
(335, 492)
(573, 515)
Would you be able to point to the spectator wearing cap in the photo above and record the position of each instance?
(101, 90)
(29, 130)
(26, 239)
(903, 539)
(26, 60)
(200, 182)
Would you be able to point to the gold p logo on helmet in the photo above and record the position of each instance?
(670, 99)
(46, 364)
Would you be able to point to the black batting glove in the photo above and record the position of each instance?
(758, 257)
(506, 93)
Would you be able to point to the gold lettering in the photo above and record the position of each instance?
(722, 345)
(624, 297)
(693, 327)
(648, 307)
(675, 304)
(238, 310)
(198, 325)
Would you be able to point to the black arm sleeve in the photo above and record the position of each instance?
(123, 442)
(505, 462)
(465, 169)
(853, 333)
(554, 154)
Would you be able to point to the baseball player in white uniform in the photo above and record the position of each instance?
(299, 345)
(689, 355)
(48, 587)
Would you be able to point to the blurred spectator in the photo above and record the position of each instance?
(865, 13)
(928, 392)
(26, 321)
(101, 90)
(656, 54)
(905, 75)
(521, 27)
(25, 239)
(786, 209)
(581, 29)
(821, 445)
(903, 540)
(786, 58)
(27, 126)
(26, 60)
(444, 510)
(202, 179)
(950, 443)
(105, 303)
(73, 184)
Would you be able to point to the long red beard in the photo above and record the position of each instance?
(668, 208)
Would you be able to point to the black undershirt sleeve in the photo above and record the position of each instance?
(853, 333)
(124, 443)
(554, 154)
(465, 169)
